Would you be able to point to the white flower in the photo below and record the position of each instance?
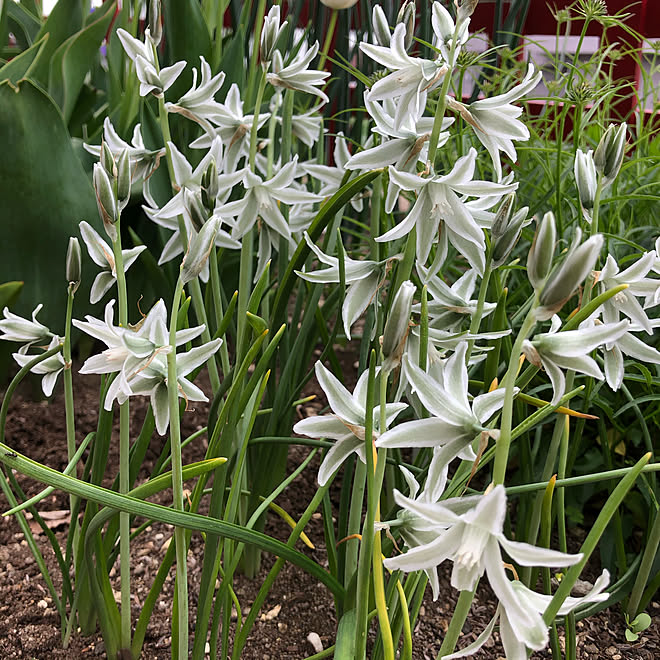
(16, 328)
(495, 120)
(198, 103)
(346, 425)
(261, 199)
(152, 80)
(530, 601)
(50, 368)
(444, 29)
(555, 351)
(363, 279)
(102, 255)
(438, 200)
(411, 78)
(638, 285)
(296, 75)
(307, 126)
(468, 531)
(454, 423)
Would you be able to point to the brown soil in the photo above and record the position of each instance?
(296, 606)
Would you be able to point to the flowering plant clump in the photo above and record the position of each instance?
(501, 324)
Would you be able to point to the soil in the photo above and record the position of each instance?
(297, 606)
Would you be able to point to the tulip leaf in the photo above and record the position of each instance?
(45, 194)
(71, 61)
(22, 24)
(20, 66)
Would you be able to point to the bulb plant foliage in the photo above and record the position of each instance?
(499, 334)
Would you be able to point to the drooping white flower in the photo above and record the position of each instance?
(444, 30)
(50, 368)
(152, 79)
(438, 201)
(495, 119)
(102, 255)
(411, 78)
(296, 75)
(16, 328)
(554, 351)
(469, 532)
(346, 425)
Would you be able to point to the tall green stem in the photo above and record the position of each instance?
(456, 623)
(328, 38)
(181, 624)
(68, 386)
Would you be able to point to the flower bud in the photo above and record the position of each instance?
(562, 284)
(585, 178)
(338, 4)
(73, 267)
(539, 260)
(270, 32)
(199, 249)
(506, 230)
(380, 26)
(609, 153)
(406, 16)
(465, 10)
(155, 22)
(193, 203)
(210, 188)
(123, 179)
(108, 161)
(105, 200)
(396, 326)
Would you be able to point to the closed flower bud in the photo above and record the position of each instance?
(609, 153)
(105, 200)
(540, 256)
(123, 179)
(108, 161)
(406, 16)
(506, 230)
(155, 21)
(585, 178)
(210, 188)
(563, 283)
(338, 4)
(465, 10)
(396, 326)
(198, 250)
(193, 203)
(269, 34)
(73, 264)
(380, 26)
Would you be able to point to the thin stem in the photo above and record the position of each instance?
(180, 625)
(328, 38)
(475, 323)
(504, 441)
(68, 389)
(456, 623)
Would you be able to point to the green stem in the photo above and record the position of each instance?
(218, 308)
(68, 388)
(504, 441)
(645, 567)
(180, 625)
(475, 322)
(259, 22)
(456, 624)
(328, 38)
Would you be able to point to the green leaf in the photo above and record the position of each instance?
(640, 623)
(9, 291)
(45, 194)
(631, 636)
(74, 58)
(22, 24)
(20, 66)
(187, 39)
(63, 21)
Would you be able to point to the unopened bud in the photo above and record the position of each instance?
(380, 26)
(539, 260)
(199, 249)
(73, 267)
(563, 283)
(105, 200)
(155, 21)
(108, 161)
(193, 203)
(506, 230)
(210, 188)
(465, 10)
(269, 34)
(338, 4)
(396, 326)
(609, 153)
(123, 179)
(406, 16)
(585, 178)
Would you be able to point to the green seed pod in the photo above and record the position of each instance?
(610, 151)
(199, 249)
(73, 267)
(539, 260)
(123, 179)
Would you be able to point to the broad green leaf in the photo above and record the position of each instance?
(74, 58)
(20, 66)
(22, 24)
(4, 33)
(65, 20)
(45, 194)
(187, 39)
(9, 291)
